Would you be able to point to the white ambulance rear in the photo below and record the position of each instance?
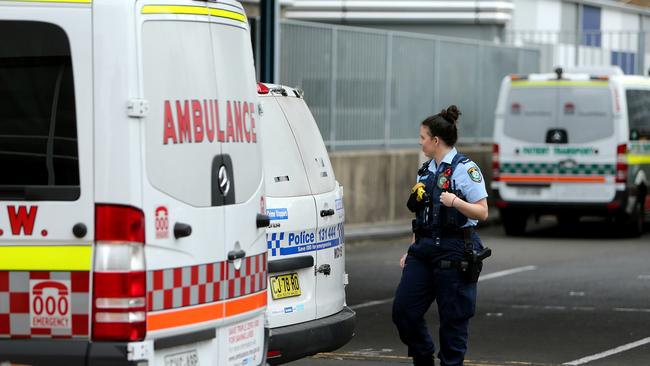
(572, 144)
(306, 244)
(132, 226)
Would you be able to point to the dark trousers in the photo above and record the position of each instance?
(421, 284)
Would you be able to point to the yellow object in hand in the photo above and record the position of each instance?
(419, 190)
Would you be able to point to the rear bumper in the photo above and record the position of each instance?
(309, 338)
(617, 206)
(49, 352)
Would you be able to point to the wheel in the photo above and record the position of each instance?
(631, 225)
(514, 222)
(635, 225)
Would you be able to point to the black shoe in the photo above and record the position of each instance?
(424, 361)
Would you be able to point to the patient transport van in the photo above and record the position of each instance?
(306, 244)
(132, 219)
(573, 144)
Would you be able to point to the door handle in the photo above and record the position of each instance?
(329, 212)
(182, 230)
(236, 254)
(79, 230)
(263, 221)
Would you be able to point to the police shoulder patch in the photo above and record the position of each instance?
(475, 174)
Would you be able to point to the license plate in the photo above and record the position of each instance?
(284, 286)
(189, 358)
(529, 191)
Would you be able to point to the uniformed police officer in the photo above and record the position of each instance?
(441, 265)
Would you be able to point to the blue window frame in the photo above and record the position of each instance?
(626, 60)
(591, 35)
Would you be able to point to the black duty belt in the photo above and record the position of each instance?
(444, 264)
(461, 233)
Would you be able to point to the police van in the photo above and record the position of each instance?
(132, 219)
(306, 311)
(573, 144)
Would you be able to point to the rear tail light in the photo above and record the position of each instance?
(621, 163)
(613, 206)
(599, 78)
(119, 278)
(262, 89)
(495, 163)
(515, 77)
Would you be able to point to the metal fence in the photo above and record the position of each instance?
(372, 88)
(627, 49)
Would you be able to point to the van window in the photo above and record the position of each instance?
(586, 113)
(638, 113)
(530, 112)
(186, 118)
(38, 127)
(285, 174)
(310, 143)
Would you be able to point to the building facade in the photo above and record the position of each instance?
(584, 32)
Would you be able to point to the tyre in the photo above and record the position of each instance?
(631, 225)
(635, 224)
(514, 222)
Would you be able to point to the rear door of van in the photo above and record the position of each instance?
(46, 188)
(329, 246)
(206, 257)
(239, 178)
(528, 164)
(586, 163)
(292, 210)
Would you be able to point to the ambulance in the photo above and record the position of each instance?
(132, 218)
(307, 312)
(573, 144)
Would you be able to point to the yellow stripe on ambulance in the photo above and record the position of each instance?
(193, 10)
(46, 258)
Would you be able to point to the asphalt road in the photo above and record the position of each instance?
(556, 296)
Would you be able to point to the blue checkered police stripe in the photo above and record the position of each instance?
(273, 242)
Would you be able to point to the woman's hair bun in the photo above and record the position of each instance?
(451, 114)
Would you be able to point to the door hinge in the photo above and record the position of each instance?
(138, 108)
(325, 269)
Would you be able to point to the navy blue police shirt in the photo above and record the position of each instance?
(468, 179)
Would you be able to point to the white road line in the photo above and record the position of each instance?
(371, 303)
(507, 272)
(482, 278)
(576, 308)
(630, 310)
(584, 308)
(610, 352)
(549, 307)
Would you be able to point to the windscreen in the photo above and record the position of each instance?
(638, 113)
